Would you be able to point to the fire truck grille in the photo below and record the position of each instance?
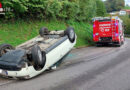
(106, 39)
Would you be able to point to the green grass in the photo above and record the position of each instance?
(127, 7)
(20, 31)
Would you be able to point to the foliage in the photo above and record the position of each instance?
(127, 7)
(30, 15)
(114, 5)
(126, 20)
(101, 10)
(81, 10)
(25, 30)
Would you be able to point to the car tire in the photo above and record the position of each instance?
(70, 33)
(38, 58)
(43, 31)
(3, 48)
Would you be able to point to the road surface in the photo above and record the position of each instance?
(92, 68)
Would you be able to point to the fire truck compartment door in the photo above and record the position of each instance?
(105, 29)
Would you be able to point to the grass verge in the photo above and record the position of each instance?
(20, 31)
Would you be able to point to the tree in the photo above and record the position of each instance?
(80, 10)
(87, 10)
(101, 10)
(119, 4)
(114, 5)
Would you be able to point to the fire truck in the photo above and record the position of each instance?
(0, 5)
(108, 30)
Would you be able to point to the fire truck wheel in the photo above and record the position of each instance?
(119, 44)
(43, 31)
(4, 48)
(98, 44)
(38, 58)
(122, 42)
(70, 33)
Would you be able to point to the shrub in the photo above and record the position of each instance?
(81, 10)
(126, 20)
(101, 10)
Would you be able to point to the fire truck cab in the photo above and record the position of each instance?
(108, 30)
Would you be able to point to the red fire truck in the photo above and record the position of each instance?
(0, 5)
(108, 30)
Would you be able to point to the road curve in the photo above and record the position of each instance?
(92, 68)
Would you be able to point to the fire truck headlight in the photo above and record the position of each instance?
(97, 34)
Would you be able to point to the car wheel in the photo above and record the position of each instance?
(70, 33)
(4, 48)
(43, 31)
(38, 58)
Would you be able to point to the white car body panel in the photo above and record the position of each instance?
(51, 58)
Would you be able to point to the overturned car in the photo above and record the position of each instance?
(36, 55)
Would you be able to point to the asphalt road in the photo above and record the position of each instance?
(92, 68)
